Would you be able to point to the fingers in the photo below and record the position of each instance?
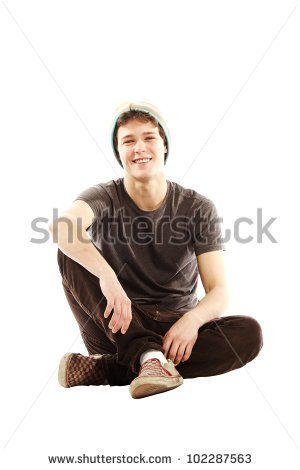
(177, 350)
(121, 317)
(117, 301)
(179, 354)
(166, 345)
(114, 323)
(108, 309)
(173, 350)
(187, 353)
(128, 318)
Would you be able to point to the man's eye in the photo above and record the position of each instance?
(128, 142)
(149, 138)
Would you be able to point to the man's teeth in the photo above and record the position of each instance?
(144, 160)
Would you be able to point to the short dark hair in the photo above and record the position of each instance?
(139, 115)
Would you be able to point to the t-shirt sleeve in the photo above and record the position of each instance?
(206, 234)
(96, 197)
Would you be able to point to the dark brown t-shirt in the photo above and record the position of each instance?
(154, 253)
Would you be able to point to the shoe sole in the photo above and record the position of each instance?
(62, 370)
(139, 389)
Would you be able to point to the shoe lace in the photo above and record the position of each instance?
(153, 367)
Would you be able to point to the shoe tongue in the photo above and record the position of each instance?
(151, 363)
(153, 360)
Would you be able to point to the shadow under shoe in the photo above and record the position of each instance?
(76, 369)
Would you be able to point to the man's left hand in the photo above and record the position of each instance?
(179, 340)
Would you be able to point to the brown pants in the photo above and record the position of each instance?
(223, 344)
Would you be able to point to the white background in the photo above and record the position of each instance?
(226, 76)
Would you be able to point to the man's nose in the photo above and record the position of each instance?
(139, 145)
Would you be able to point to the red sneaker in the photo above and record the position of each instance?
(155, 378)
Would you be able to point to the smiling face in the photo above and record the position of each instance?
(141, 148)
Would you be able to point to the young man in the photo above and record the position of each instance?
(130, 254)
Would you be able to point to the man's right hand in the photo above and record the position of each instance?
(118, 301)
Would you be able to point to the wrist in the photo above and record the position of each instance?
(197, 318)
(105, 271)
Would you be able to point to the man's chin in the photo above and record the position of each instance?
(143, 176)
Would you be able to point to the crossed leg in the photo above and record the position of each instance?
(223, 344)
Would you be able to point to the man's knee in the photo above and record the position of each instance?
(253, 336)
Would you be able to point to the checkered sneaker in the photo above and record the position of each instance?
(76, 369)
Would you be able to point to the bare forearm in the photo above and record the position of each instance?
(211, 306)
(81, 250)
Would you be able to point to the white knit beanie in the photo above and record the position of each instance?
(139, 106)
